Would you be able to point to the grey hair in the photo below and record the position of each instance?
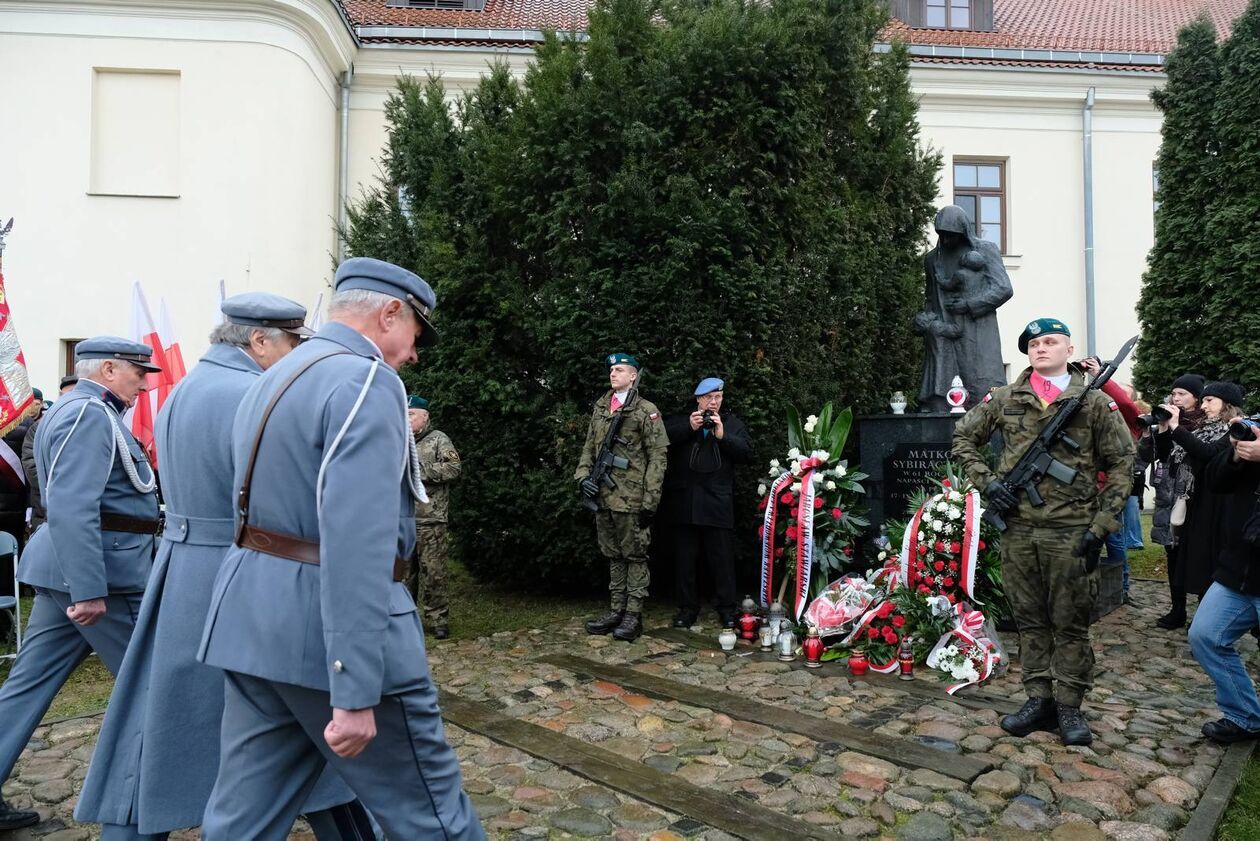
(239, 335)
(86, 369)
(357, 302)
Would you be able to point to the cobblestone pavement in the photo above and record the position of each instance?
(1139, 781)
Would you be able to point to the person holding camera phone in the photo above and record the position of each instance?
(1195, 515)
(1231, 606)
(699, 498)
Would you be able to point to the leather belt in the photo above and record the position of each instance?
(131, 525)
(293, 548)
(199, 531)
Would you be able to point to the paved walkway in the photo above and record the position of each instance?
(1140, 780)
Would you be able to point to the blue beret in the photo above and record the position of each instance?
(262, 309)
(395, 281)
(622, 359)
(709, 384)
(415, 401)
(114, 347)
(1041, 327)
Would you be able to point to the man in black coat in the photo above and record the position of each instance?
(699, 498)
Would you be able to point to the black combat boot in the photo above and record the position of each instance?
(1073, 729)
(605, 623)
(1036, 714)
(630, 628)
(1172, 620)
(11, 818)
(684, 618)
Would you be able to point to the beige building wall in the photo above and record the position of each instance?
(221, 165)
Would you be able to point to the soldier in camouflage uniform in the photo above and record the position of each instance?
(439, 466)
(1050, 553)
(623, 522)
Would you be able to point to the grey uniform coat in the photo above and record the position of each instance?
(333, 466)
(158, 750)
(72, 554)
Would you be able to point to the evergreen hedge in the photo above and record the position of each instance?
(720, 188)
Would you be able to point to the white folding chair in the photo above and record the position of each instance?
(13, 603)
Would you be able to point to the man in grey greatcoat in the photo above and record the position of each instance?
(321, 446)
(89, 562)
(966, 283)
(158, 749)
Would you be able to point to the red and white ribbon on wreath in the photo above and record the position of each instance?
(968, 629)
(972, 509)
(767, 537)
(804, 536)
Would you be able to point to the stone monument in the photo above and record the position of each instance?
(966, 283)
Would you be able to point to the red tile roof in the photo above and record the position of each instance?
(1114, 26)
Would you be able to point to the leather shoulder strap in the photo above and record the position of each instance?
(242, 497)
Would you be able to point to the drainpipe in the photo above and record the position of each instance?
(343, 148)
(1091, 311)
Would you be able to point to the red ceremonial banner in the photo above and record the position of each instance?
(17, 401)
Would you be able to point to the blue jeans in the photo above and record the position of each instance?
(1224, 615)
(1131, 524)
(1116, 553)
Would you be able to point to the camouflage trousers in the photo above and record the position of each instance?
(1052, 597)
(625, 545)
(426, 573)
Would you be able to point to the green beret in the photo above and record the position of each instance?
(415, 401)
(622, 359)
(1041, 327)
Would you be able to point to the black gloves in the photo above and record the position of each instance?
(1000, 497)
(645, 518)
(590, 488)
(1089, 549)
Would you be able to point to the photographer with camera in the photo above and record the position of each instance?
(699, 498)
(1168, 480)
(1231, 606)
(1195, 515)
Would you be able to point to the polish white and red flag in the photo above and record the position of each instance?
(170, 346)
(144, 330)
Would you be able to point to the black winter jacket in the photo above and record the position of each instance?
(700, 480)
(1236, 484)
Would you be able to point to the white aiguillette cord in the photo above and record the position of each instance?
(117, 442)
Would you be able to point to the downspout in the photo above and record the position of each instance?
(343, 148)
(1091, 308)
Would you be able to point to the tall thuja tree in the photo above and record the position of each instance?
(1180, 283)
(1230, 342)
(721, 188)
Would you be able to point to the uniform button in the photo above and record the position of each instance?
(183, 527)
(337, 666)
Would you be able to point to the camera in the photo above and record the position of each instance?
(1158, 415)
(1244, 429)
(706, 419)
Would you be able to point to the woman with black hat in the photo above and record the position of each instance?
(1196, 513)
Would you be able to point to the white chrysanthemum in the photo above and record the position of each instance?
(822, 455)
(809, 426)
(774, 462)
(840, 471)
(922, 537)
(794, 453)
(937, 525)
(796, 487)
(761, 489)
(830, 485)
(954, 513)
(796, 468)
(941, 506)
(812, 419)
(948, 528)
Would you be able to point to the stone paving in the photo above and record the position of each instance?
(1139, 781)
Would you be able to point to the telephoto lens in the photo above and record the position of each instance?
(1160, 414)
(1244, 429)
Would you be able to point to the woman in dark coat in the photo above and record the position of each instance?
(1199, 540)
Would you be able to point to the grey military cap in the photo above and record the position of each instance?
(115, 347)
(262, 309)
(379, 276)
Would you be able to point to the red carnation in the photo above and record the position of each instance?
(761, 506)
(945, 483)
(836, 513)
(948, 582)
(953, 566)
(818, 503)
(938, 566)
(923, 588)
(787, 498)
(790, 532)
(848, 551)
(890, 636)
(940, 547)
(898, 621)
(872, 633)
(952, 598)
(982, 544)
(885, 609)
(922, 549)
(955, 548)
(778, 553)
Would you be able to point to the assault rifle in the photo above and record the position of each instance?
(601, 472)
(1037, 462)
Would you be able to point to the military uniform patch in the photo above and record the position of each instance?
(1111, 404)
(654, 416)
(987, 397)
